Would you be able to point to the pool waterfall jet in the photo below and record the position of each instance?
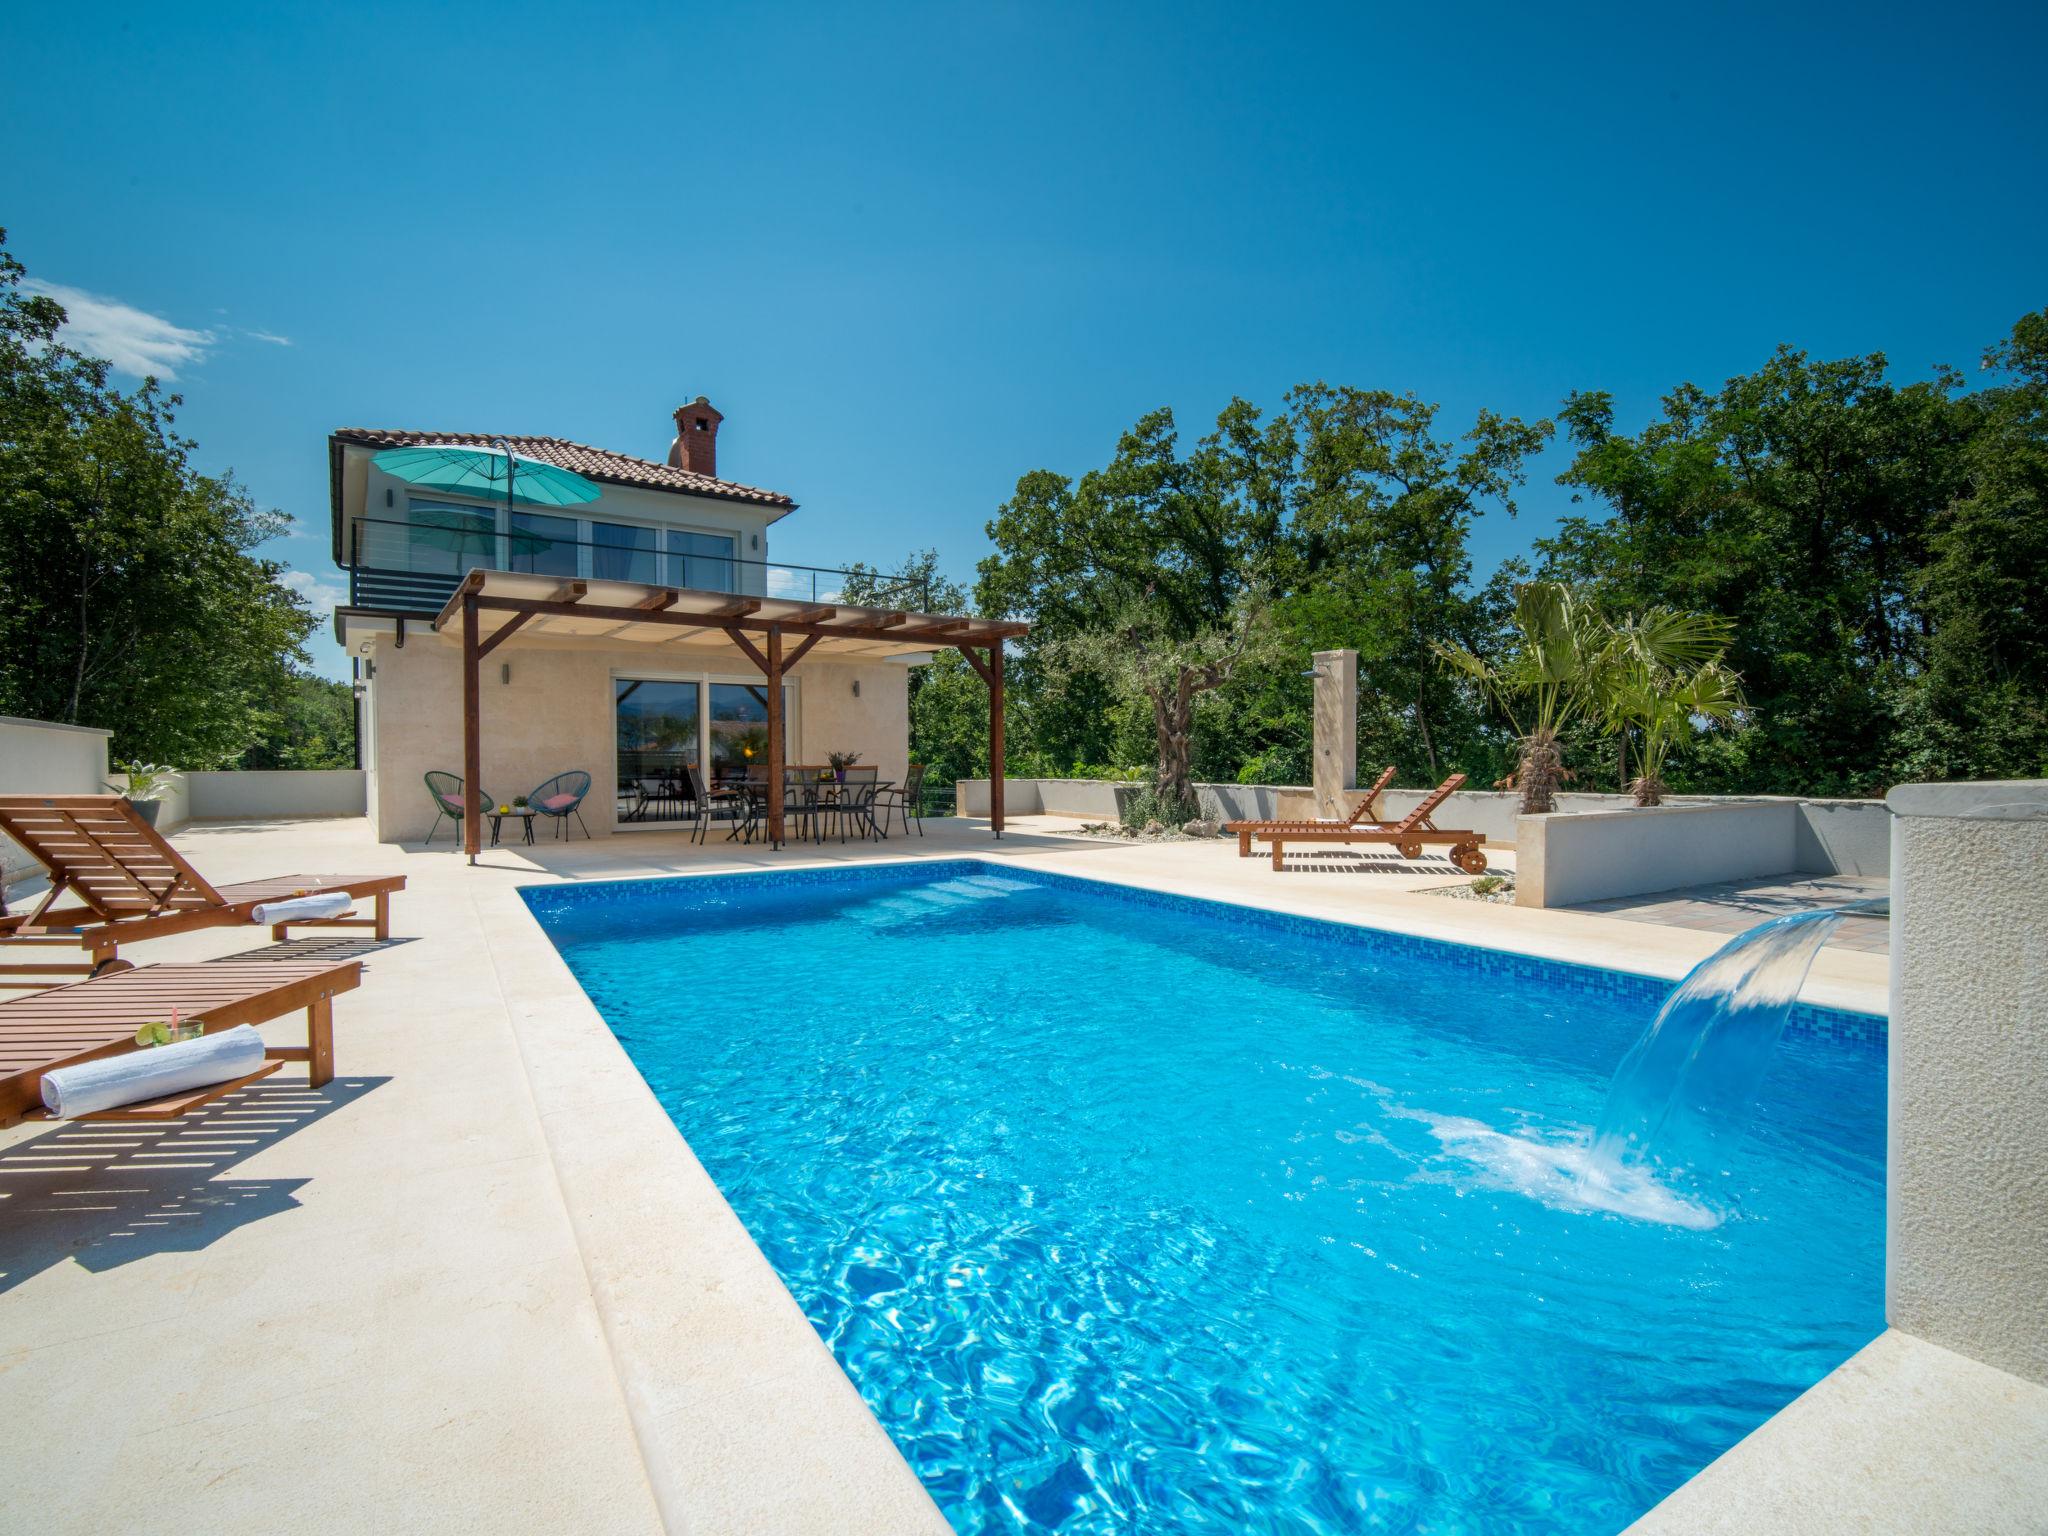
(1683, 1092)
(1681, 1096)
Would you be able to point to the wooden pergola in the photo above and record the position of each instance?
(493, 606)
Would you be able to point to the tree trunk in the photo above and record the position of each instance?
(1541, 770)
(1422, 725)
(84, 644)
(1648, 790)
(1176, 725)
(1621, 760)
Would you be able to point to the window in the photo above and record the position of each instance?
(448, 540)
(543, 545)
(622, 552)
(739, 728)
(703, 561)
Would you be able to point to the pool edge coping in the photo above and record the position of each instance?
(754, 1428)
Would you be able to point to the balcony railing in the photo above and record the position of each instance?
(402, 588)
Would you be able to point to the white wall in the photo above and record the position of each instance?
(1966, 1247)
(271, 794)
(37, 756)
(1592, 855)
(556, 714)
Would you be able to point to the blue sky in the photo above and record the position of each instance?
(915, 251)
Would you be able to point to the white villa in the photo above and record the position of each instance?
(629, 700)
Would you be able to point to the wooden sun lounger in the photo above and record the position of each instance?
(1409, 834)
(126, 884)
(90, 1019)
(1365, 814)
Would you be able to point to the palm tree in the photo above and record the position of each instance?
(1661, 675)
(1553, 670)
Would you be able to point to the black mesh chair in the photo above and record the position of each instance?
(562, 797)
(446, 788)
(905, 800)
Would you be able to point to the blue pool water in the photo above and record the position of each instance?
(1140, 1214)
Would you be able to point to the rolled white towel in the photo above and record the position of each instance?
(112, 1081)
(301, 909)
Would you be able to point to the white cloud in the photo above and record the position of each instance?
(133, 340)
(804, 586)
(323, 593)
(270, 336)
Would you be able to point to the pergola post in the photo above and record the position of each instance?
(472, 734)
(775, 748)
(995, 737)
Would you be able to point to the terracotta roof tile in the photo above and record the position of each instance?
(595, 463)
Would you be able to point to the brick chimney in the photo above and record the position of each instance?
(696, 444)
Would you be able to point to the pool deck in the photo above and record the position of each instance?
(479, 1283)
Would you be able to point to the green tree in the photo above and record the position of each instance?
(1980, 708)
(1549, 676)
(129, 596)
(1802, 503)
(1147, 660)
(314, 726)
(948, 700)
(1347, 506)
(1659, 677)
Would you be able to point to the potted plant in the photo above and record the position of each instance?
(841, 761)
(148, 783)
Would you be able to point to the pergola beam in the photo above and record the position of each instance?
(952, 631)
(501, 634)
(472, 730)
(752, 651)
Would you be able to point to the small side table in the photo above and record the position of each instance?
(523, 814)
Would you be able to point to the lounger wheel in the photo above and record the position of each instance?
(1467, 856)
(1410, 850)
(110, 966)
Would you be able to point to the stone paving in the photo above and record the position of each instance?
(1737, 905)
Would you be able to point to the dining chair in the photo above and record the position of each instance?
(906, 800)
(855, 802)
(709, 802)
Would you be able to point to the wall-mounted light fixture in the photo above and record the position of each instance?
(856, 687)
(387, 496)
(505, 673)
(753, 541)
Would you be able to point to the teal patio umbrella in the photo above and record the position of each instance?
(490, 473)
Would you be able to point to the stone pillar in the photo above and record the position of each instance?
(1336, 753)
(1966, 1241)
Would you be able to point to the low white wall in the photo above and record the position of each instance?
(1830, 837)
(1591, 855)
(1966, 1242)
(1100, 799)
(273, 794)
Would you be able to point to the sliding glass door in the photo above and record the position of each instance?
(660, 729)
(667, 726)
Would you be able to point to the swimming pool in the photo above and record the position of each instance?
(1128, 1212)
